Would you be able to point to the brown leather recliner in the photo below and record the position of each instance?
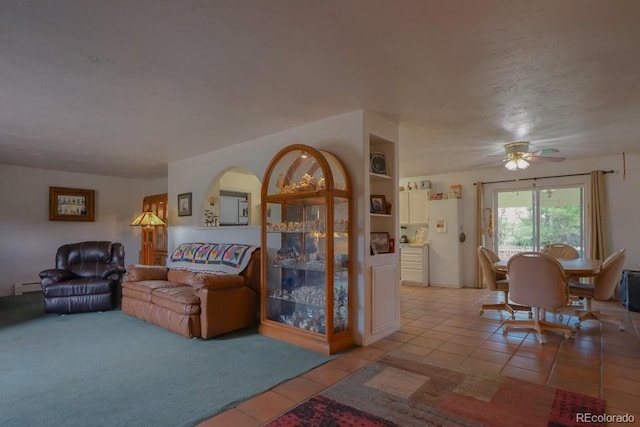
(86, 278)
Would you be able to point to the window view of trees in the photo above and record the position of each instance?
(527, 220)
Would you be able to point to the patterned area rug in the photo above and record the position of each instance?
(403, 390)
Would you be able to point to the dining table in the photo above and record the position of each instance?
(581, 267)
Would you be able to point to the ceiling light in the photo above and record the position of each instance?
(516, 153)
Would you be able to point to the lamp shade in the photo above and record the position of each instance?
(148, 218)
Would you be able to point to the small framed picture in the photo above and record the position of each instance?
(378, 164)
(441, 226)
(71, 204)
(378, 204)
(380, 243)
(184, 204)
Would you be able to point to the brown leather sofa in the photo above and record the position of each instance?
(193, 304)
(86, 278)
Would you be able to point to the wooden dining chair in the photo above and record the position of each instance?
(538, 280)
(496, 282)
(602, 289)
(562, 251)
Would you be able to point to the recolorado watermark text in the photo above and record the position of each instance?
(588, 417)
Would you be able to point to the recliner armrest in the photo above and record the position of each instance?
(57, 275)
(113, 273)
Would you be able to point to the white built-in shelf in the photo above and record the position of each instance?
(381, 215)
(378, 176)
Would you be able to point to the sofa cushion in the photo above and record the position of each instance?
(181, 299)
(148, 286)
(138, 272)
(84, 286)
(187, 278)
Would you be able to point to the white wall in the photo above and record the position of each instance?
(29, 240)
(341, 135)
(623, 202)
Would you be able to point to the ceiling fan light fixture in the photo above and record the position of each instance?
(516, 152)
(516, 148)
(522, 163)
(511, 165)
(516, 162)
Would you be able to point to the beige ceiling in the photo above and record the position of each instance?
(122, 87)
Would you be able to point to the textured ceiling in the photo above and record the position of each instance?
(123, 87)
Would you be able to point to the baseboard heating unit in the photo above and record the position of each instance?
(23, 288)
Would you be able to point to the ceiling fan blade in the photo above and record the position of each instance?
(488, 163)
(545, 159)
(543, 152)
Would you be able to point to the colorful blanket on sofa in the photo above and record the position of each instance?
(225, 258)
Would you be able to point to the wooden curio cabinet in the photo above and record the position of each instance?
(306, 285)
(157, 235)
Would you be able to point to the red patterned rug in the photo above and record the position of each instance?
(403, 390)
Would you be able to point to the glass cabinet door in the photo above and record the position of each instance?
(305, 258)
(296, 276)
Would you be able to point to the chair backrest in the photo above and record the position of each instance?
(487, 258)
(606, 280)
(90, 259)
(562, 251)
(537, 279)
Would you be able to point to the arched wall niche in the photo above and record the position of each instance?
(232, 199)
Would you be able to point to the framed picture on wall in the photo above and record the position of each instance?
(184, 204)
(71, 204)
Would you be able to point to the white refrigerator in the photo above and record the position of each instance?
(445, 248)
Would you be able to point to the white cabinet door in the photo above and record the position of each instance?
(385, 296)
(419, 206)
(403, 199)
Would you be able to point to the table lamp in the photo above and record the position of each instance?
(148, 220)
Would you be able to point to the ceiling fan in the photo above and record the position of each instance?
(517, 156)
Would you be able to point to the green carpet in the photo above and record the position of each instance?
(110, 369)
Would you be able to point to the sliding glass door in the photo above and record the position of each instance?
(526, 220)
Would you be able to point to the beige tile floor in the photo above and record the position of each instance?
(445, 325)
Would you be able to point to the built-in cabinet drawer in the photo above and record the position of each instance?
(414, 264)
(412, 258)
(411, 276)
